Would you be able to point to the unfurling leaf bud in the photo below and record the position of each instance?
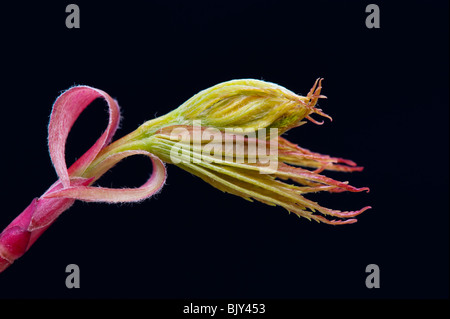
(247, 104)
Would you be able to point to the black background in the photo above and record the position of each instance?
(387, 92)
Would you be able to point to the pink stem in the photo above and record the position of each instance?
(26, 228)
